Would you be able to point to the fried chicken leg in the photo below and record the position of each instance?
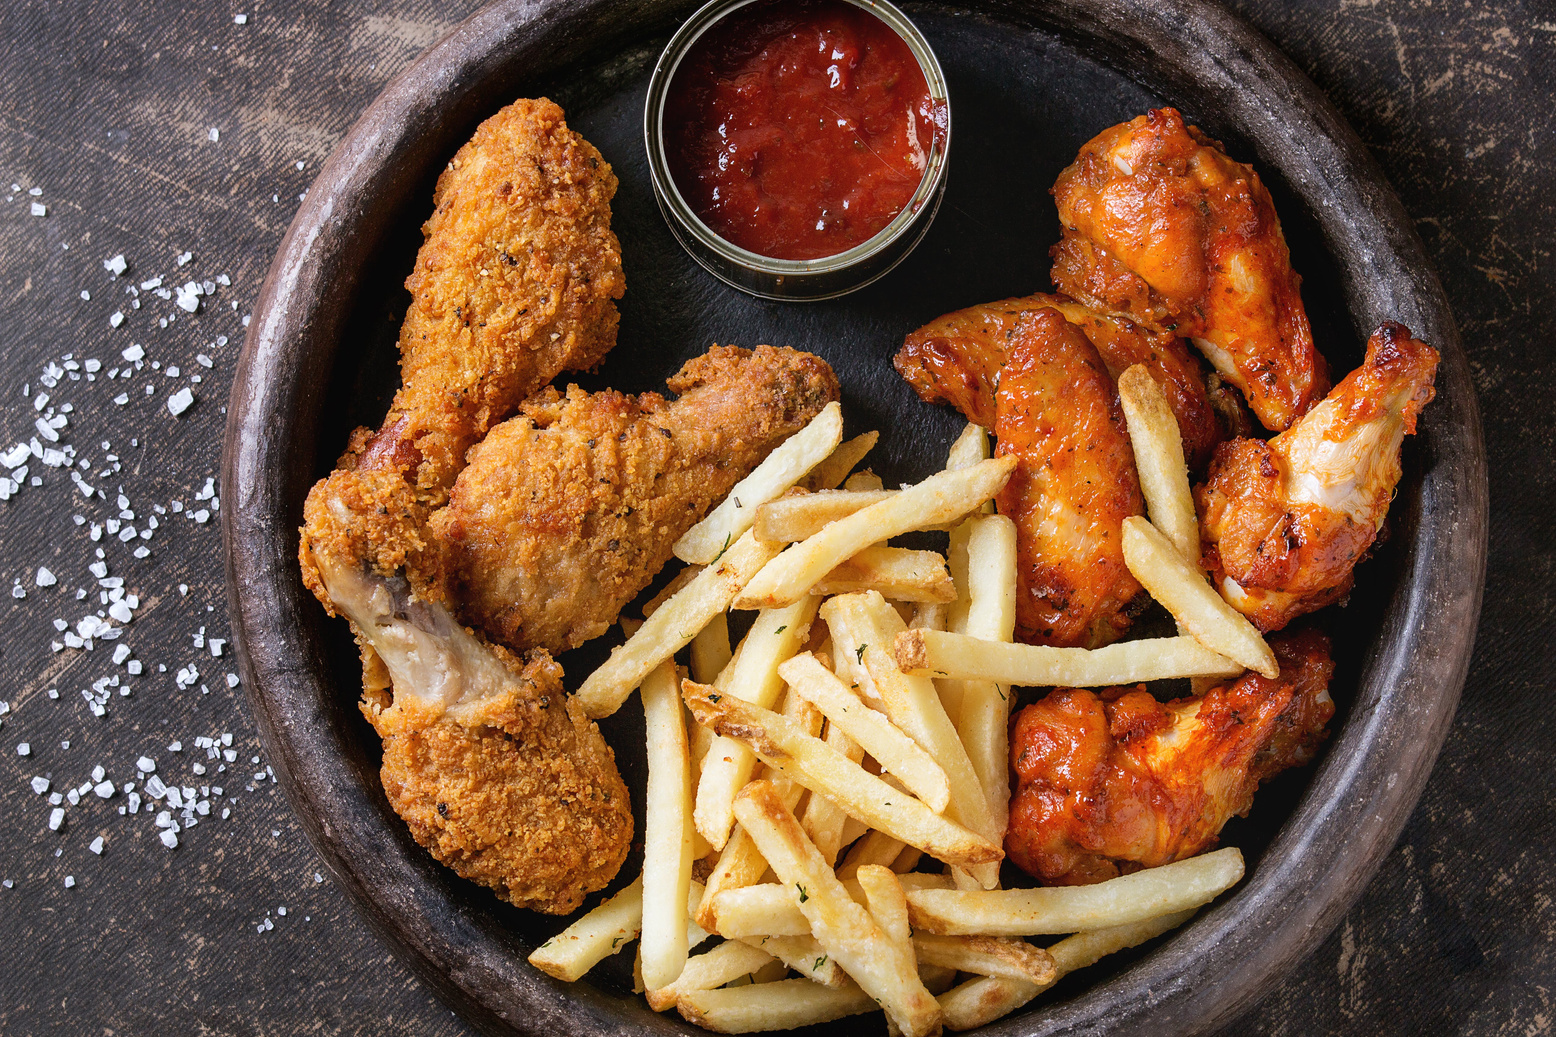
(567, 511)
(1057, 410)
(1118, 781)
(956, 359)
(1286, 521)
(1160, 226)
(514, 284)
(495, 769)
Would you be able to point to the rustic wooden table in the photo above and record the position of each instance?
(180, 138)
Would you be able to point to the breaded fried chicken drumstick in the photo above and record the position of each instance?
(494, 770)
(567, 511)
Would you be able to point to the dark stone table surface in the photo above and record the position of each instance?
(177, 136)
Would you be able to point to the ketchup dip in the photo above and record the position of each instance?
(798, 129)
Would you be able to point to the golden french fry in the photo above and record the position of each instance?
(896, 572)
(863, 482)
(805, 956)
(775, 636)
(667, 830)
(867, 625)
(941, 654)
(981, 1001)
(827, 772)
(886, 902)
(984, 715)
(893, 750)
(907, 860)
(1158, 447)
(769, 909)
(1069, 909)
(883, 968)
(835, 467)
(710, 649)
(740, 863)
(872, 848)
(823, 820)
(602, 932)
(784, 1005)
(1181, 588)
(987, 956)
(936, 500)
(673, 625)
(680, 580)
(728, 961)
(790, 519)
(781, 469)
(970, 447)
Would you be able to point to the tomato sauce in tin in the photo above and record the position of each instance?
(799, 129)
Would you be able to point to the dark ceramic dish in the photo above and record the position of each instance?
(1032, 82)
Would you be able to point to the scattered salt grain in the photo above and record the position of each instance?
(146, 765)
(116, 265)
(179, 402)
(40, 785)
(56, 818)
(97, 846)
(169, 838)
(23, 749)
(240, 19)
(45, 578)
(103, 790)
(39, 209)
(70, 882)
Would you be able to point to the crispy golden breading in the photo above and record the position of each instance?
(520, 794)
(567, 511)
(514, 284)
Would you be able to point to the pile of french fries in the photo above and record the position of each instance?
(840, 779)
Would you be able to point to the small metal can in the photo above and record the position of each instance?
(796, 279)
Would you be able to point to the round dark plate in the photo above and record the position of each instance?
(1029, 84)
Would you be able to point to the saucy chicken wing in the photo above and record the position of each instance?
(956, 359)
(1160, 226)
(1057, 411)
(1285, 522)
(567, 511)
(1119, 781)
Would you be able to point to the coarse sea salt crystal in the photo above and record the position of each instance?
(133, 354)
(39, 209)
(40, 785)
(169, 838)
(45, 578)
(97, 846)
(56, 818)
(116, 265)
(240, 19)
(146, 765)
(180, 401)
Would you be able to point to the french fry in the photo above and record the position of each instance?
(602, 932)
(835, 467)
(936, 500)
(789, 519)
(784, 1005)
(1181, 588)
(907, 860)
(981, 1001)
(805, 956)
(895, 751)
(774, 637)
(928, 616)
(667, 830)
(673, 625)
(999, 956)
(873, 849)
(827, 772)
(886, 902)
(823, 820)
(1068, 909)
(740, 862)
(681, 579)
(867, 624)
(781, 469)
(770, 909)
(943, 654)
(1158, 447)
(983, 719)
(883, 968)
(728, 961)
(970, 447)
(710, 649)
(896, 572)
(863, 482)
